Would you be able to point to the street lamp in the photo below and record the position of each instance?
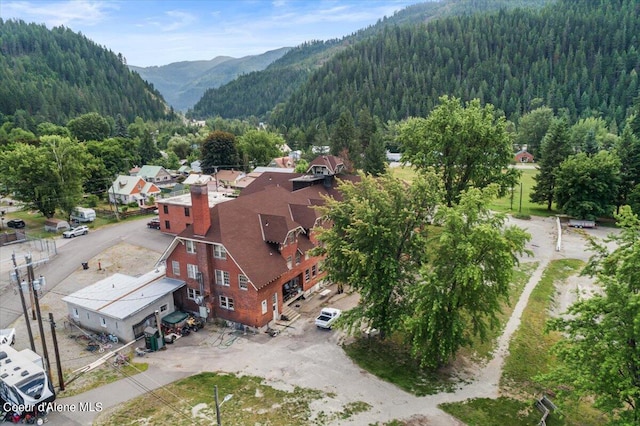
(226, 398)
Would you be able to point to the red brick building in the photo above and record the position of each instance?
(523, 156)
(246, 259)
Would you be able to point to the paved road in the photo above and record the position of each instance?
(72, 252)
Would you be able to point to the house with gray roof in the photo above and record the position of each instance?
(156, 174)
(124, 305)
(127, 189)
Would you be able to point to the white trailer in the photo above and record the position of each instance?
(83, 214)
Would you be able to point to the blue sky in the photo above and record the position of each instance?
(157, 32)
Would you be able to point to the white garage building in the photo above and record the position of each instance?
(123, 305)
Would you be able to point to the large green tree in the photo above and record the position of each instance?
(219, 149)
(343, 140)
(89, 127)
(532, 127)
(600, 355)
(260, 146)
(462, 289)
(377, 243)
(554, 150)
(468, 145)
(587, 186)
(47, 177)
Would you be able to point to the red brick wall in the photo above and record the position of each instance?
(178, 221)
(247, 303)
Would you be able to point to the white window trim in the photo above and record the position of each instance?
(227, 303)
(192, 271)
(219, 252)
(246, 282)
(223, 278)
(164, 307)
(103, 322)
(175, 268)
(192, 293)
(76, 313)
(191, 246)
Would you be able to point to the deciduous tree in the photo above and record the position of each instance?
(466, 144)
(260, 146)
(219, 150)
(377, 243)
(587, 186)
(89, 127)
(461, 291)
(600, 355)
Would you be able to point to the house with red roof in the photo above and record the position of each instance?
(247, 259)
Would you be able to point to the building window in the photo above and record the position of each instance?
(186, 212)
(297, 258)
(165, 209)
(191, 246)
(264, 307)
(76, 314)
(292, 237)
(243, 282)
(192, 293)
(103, 322)
(167, 224)
(313, 271)
(88, 317)
(226, 303)
(306, 275)
(164, 307)
(222, 278)
(192, 271)
(289, 265)
(219, 252)
(175, 267)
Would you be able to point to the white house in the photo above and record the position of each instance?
(127, 189)
(123, 305)
(155, 174)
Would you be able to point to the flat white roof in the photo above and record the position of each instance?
(185, 199)
(120, 296)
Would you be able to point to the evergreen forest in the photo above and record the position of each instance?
(56, 75)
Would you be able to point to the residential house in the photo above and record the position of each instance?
(123, 305)
(523, 156)
(127, 189)
(199, 178)
(247, 259)
(229, 178)
(156, 174)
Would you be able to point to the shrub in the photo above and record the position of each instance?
(92, 200)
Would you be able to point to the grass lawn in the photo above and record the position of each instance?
(506, 204)
(391, 360)
(191, 401)
(529, 356)
(101, 376)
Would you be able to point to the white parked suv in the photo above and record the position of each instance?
(74, 232)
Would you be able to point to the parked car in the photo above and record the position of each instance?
(74, 232)
(154, 223)
(16, 223)
(327, 317)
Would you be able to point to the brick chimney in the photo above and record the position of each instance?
(200, 209)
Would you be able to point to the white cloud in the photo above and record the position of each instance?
(67, 13)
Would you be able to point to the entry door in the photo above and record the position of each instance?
(274, 300)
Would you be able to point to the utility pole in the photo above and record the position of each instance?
(520, 210)
(24, 303)
(32, 283)
(215, 395)
(115, 202)
(56, 351)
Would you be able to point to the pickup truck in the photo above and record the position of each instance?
(7, 336)
(327, 317)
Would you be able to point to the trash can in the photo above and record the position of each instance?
(85, 265)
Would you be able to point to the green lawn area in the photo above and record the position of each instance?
(191, 401)
(391, 361)
(529, 356)
(506, 204)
